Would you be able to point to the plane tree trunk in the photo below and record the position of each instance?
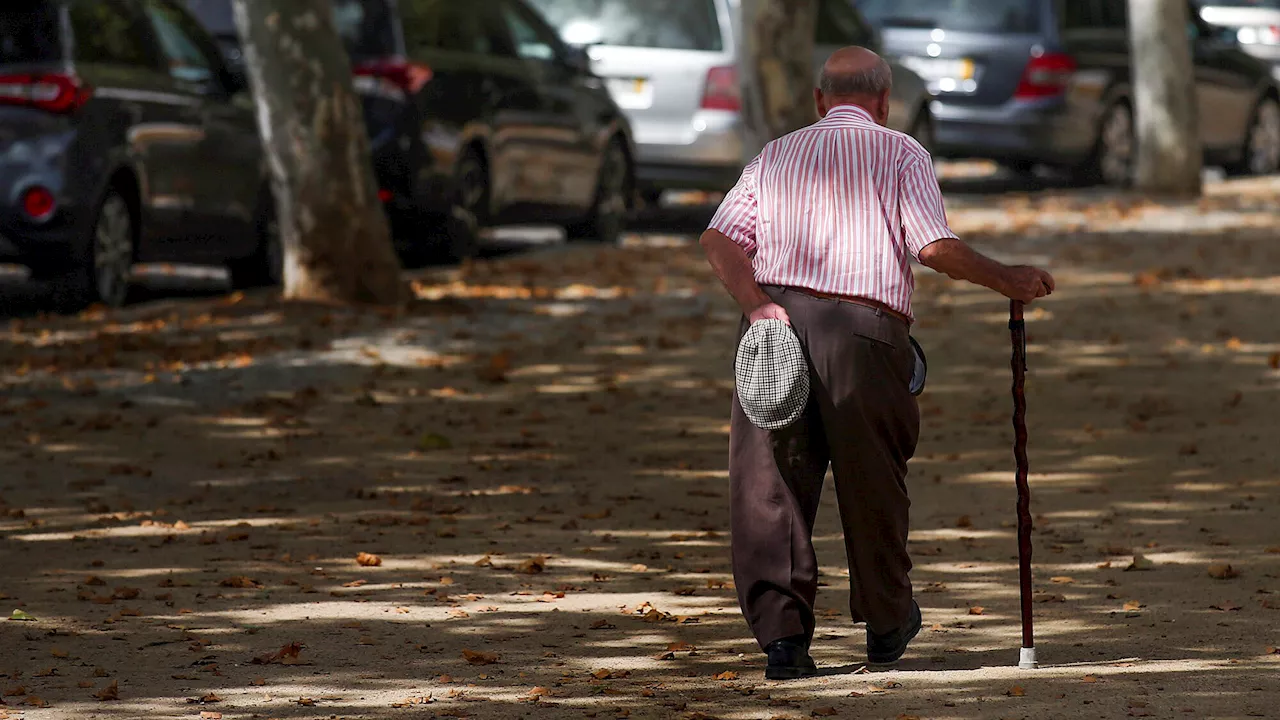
(776, 68)
(1169, 159)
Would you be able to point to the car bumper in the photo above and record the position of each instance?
(706, 153)
(43, 248)
(1039, 131)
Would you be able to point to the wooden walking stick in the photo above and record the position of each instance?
(1018, 330)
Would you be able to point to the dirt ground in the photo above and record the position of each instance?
(511, 500)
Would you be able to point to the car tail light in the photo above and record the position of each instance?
(406, 76)
(1270, 35)
(55, 93)
(38, 203)
(1046, 76)
(722, 91)
(386, 195)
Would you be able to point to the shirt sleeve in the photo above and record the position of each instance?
(736, 216)
(924, 219)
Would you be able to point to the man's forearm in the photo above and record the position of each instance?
(958, 261)
(733, 267)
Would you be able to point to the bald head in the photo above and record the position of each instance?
(855, 76)
(854, 71)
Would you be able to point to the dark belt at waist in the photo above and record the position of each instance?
(853, 300)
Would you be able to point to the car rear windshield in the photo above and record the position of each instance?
(997, 16)
(665, 24)
(367, 27)
(29, 33)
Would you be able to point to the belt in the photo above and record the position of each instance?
(865, 302)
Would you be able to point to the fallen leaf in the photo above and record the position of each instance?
(602, 674)
(1274, 361)
(1089, 679)
(110, 692)
(210, 715)
(1044, 597)
(432, 441)
(1223, 571)
(1015, 691)
(240, 581)
(602, 624)
(976, 610)
(365, 559)
(533, 565)
(964, 522)
(1225, 607)
(727, 675)
(1133, 605)
(824, 712)
(21, 616)
(1062, 580)
(210, 698)
(1140, 562)
(305, 702)
(476, 657)
(284, 656)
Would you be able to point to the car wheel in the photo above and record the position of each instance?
(1116, 153)
(609, 210)
(1261, 153)
(472, 179)
(463, 235)
(266, 266)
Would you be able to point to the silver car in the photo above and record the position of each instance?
(1256, 24)
(671, 65)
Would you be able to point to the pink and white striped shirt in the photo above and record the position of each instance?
(839, 207)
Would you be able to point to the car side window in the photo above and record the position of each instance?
(1115, 14)
(177, 35)
(532, 40)
(839, 24)
(446, 25)
(107, 33)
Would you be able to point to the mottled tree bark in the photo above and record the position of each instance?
(335, 236)
(1169, 160)
(776, 62)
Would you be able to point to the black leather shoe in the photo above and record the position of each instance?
(887, 648)
(789, 660)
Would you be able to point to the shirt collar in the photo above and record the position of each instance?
(849, 112)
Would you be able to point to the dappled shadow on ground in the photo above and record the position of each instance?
(535, 451)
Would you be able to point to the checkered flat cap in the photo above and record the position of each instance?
(772, 375)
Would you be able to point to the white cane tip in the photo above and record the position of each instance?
(1027, 659)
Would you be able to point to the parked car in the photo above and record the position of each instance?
(123, 139)
(1028, 82)
(477, 109)
(672, 67)
(1256, 24)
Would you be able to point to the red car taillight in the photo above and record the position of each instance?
(55, 93)
(722, 91)
(405, 75)
(1046, 76)
(39, 203)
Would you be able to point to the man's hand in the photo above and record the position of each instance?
(769, 310)
(1026, 283)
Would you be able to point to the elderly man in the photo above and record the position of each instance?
(819, 233)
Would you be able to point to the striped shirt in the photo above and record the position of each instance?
(839, 207)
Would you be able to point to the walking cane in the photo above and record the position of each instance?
(1018, 329)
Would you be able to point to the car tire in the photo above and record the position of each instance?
(265, 268)
(462, 235)
(471, 178)
(106, 275)
(609, 208)
(1260, 153)
(1115, 151)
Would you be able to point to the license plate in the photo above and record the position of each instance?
(631, 92)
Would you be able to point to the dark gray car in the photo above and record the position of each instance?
(123, 139)
(1029, 82)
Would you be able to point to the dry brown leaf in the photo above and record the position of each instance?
(1225, 607)
(240, 581)
(365, 559)
(1274, 361)
(602, 674)
(210, 698)
(824, 712)
(210, 715)
(533, 565)
(1134, 605)
(110, 692)
(1015, 691)
(726, 675)
(476, 657)
(976, 610)
(1223, 571)
(1089, 679)
(964, 522)
(305, 702)
(287, 655)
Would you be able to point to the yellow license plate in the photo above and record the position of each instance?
(638, 85)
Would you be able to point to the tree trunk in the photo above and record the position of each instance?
(1169, 158)
(777, 68)
(335, 236)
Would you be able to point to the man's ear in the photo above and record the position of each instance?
(884, 104)
(820, 102)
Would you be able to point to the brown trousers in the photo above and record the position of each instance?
(862, 421)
